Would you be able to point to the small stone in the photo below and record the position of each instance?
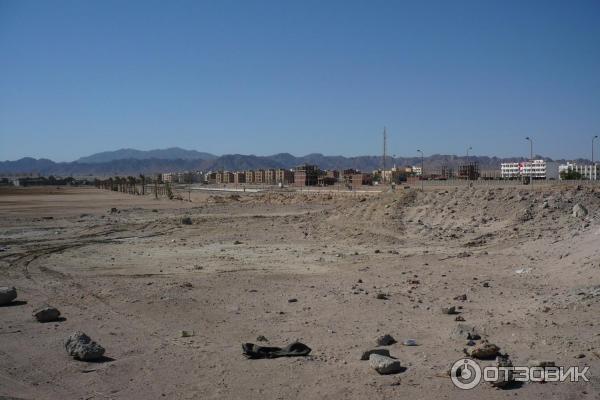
(187, 333)
(459, 318)
(384, 365)
(47, 314)
(81, 347)
(7, 295)
(385, 340)
(580, 355)
(367, 353)
(410, 342)
(237, 242)
(292, 300)
(462, 297)
(381, 296)
(486, 284)
(186, 221)
(261, 338)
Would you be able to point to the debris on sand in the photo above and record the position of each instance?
(385, 340)
(579, 211)
(484, 351)
(81, 347)
(7, 295)
(47, 314)
(384, 365)
(254, 351)
(367, 353)
(186, 221)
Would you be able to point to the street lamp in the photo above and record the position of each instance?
(530, 160)
(422, 171)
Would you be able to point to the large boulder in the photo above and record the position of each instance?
(7, 295)
(82, 347)
(384, 365)
(47, 314)
(579, 211)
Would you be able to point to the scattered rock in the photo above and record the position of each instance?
(449, 310)
(261, 338)
(464, 331)
(186, 221)
(81, 347)
(542, 364)
(462, 297)
(385, 340)
(237, 242)
(579, 211)
(7, 295)
(47, 314)
(381, 296)
(384, 365)
(459, 318)
(484, 351)
(367, 353)
(505, 377)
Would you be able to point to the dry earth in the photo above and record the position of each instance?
(135, 279)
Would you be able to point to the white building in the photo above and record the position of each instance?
(537, 169)
(587, 171)
(417, 170)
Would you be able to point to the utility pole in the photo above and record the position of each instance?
(593, 167)
(384, 153)
(422, 170)
(468, 166)
(530, 160)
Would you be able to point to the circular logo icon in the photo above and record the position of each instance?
(465, 374)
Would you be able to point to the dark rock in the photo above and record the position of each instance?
(7, 295)
(47, 314)
(81, 347)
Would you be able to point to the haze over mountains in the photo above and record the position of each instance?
(134, 162)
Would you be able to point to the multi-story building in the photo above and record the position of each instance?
(306, 175)
(259, 176)
(250, 176)
(284, 176)
(536, 169)
(239, 177)
(587, 171)
(270, 176)
(418, 171)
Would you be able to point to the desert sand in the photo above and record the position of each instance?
(135, 278)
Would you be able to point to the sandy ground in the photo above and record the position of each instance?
(134, 279)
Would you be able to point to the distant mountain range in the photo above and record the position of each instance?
(135, 162)
(172, 153)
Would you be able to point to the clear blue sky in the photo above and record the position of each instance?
(261, 77)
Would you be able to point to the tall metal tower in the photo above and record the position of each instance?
(384, 153)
